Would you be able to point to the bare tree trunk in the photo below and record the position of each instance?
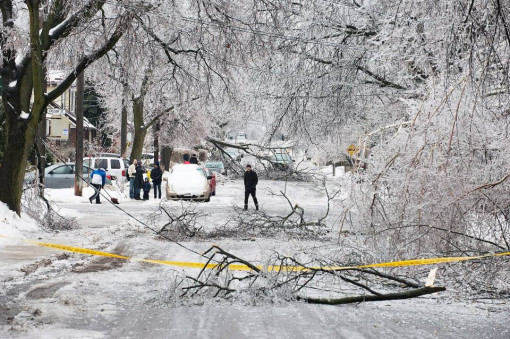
(155, 130)
(20, 140)
(123, 123)
(166, 155)
(139, 131)
(78, 168)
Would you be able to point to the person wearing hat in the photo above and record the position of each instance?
(194, 159)
(185, 159)
(157, 176)
(98, 180)
(250, 187)
(139, 182)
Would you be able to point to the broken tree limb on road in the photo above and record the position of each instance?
(288, 281)
(362, 298)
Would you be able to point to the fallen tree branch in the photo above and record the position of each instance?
(362, 298)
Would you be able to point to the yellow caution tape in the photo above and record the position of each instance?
(78, 250)
(270, 268)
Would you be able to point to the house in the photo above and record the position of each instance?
(60, 116)
(61, 126)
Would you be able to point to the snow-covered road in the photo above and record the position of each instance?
(46, 293)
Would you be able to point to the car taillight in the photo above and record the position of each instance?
(109, 176)
(123, 173)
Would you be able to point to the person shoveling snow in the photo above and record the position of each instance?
(98, 180)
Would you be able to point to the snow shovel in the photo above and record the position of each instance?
(114, 200)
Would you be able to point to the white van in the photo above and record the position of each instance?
(114, 166)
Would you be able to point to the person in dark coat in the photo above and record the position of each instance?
(185, 159)
(250, 187)
(194, 159)
(157, 176)
(138, 180)
(146, 189)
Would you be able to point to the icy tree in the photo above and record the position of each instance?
(34, 33)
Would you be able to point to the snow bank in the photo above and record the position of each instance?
(12, 226)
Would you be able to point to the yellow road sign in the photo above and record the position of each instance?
(352, 149)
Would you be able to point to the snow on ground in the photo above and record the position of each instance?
(47, 293)
(13, 226)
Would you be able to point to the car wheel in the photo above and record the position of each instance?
(208, 199)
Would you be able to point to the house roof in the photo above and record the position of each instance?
(57, 110)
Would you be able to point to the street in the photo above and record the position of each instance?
(50, 293)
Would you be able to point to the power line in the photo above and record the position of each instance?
(278, 36)
(255, 31)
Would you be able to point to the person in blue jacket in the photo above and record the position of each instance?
(98, 180)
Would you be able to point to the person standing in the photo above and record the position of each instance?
(131, 176)
(98, 181)
(138, 180)
(250, 187)
(146, 189)
(194, 159)
(157, 176)
(185, 159)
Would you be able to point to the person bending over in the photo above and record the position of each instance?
(98, 180)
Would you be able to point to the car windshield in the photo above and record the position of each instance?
(282, 157)
(214, 164)
(201, 171)
(232, 151)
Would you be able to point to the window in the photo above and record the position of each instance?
(101, 163)
(115, 164)
(62, 170)
(201, 171)
(85, 170)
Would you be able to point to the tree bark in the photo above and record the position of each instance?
(362, 298)
(78, 168)
(20, 140)
(139, 129)
(166, 155)
(124, 122)
(155, 136)
(41, 134)
(30, 79)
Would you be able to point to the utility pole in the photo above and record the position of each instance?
(78, 164)
(41, 135)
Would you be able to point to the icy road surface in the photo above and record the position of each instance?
(46, 293)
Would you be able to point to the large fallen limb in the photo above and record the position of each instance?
(362, 298)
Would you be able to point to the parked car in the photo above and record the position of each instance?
(147, 159)
(283, 162)
(115, 166)
(61, 175)
(188, 182)
(234, 153)
(241, 138)
(212, 179)
(216, 166)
